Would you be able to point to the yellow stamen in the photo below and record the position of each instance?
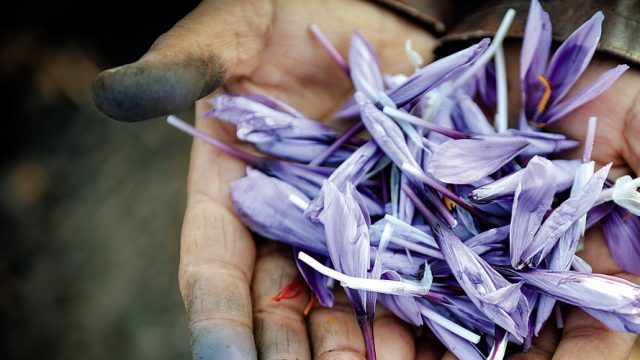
(448, 202)
(312, 301)
(545, 96)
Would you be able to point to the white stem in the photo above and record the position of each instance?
(299, 202)
(501, 122)
(377, 285)
(450, 325)
(387, 232)
(488, 54)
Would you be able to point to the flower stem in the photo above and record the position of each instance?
(366, 326)
(336, 144)
(335, 55)
(403, 116)
(237, 153)
(501, 122)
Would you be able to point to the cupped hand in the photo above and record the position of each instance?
(260, 47)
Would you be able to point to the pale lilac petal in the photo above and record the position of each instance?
(542, 143)
(534, 55)
(564, 170)
(628, 322)
(573, 56)
(622, 231)
(564, 216)
(386, 133)
(597, 291)
(467, 160)
(352, 170)
(533, 198)
(435, 73)
(468, 117)
(488, 240)
(588, 93)
(500, 300)
(261, 203)
(364, 67)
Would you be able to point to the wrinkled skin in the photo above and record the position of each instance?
(265, 47)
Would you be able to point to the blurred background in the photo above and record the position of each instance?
(90, 209)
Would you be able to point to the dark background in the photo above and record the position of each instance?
(90, 209)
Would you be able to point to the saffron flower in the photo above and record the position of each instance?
(544, 88)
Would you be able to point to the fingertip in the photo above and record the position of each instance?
(222, 342)
(150, 88)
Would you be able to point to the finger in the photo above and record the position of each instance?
(586, 338)
(543, 346)
(186, 63)
(335, 333)
(280, 327)
(216, 257)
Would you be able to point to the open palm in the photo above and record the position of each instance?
(265, 47)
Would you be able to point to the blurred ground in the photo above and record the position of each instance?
(90, 209)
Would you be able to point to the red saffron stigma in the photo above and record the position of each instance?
(290, 291)
(545, 96)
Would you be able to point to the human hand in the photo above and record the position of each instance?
(616, 141)
(258, 47)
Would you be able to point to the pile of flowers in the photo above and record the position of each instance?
(451, 222)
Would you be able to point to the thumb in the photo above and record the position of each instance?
(183, 65)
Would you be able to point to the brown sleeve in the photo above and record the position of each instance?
(620, 33)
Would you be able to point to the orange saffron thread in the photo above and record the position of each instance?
(545, 96)
(290, 291)
(448, 202)
(310, 304)
(627, 216)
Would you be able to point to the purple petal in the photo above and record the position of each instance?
(564, 216)
(469, 118)
(467, 160)
(364, 67)
(622, 231)
(500, 300)
(596, 291)
(435, 73)
(588, 93)
(533, 198)
(628, 322)
(573, 56)
(534, 55)
(347, 234)
(315, 280)
(543, 143)
(386, 133)
(565, 172)
(352, 170)
(488, 240)
(287, 134)
(261, 203)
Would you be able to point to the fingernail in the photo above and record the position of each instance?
(148, 89)
(222, 342)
